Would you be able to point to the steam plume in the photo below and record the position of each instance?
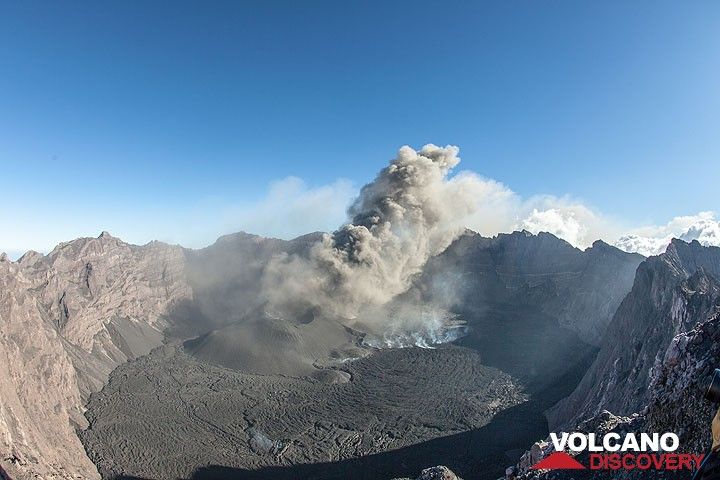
(409, 213)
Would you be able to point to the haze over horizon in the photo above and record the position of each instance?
(184, 124)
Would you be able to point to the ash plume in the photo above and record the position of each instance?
(409, 213)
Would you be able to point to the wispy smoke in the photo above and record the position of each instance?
(414, 324)
(409, 213)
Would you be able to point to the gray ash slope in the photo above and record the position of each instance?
(227, 320)
(225, 278)
(515, 291)
(663, 340)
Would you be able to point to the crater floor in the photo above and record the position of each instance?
(473, 406)
(165, 415)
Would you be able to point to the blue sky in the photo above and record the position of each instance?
(160, 119)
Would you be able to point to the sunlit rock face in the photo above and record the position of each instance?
(66, 321)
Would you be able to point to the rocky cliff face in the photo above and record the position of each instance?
(672, 293)
(69, 318)
(581, 289)
(664, 339)
(676, 405)
(66, 321)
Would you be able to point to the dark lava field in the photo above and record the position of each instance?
(169, 415)
(213, 406)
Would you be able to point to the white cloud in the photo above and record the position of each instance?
(652, 240)
(497, 206)
(569, 219)
(288, 209)
(561, 223)
(291, 208)
(501, 210)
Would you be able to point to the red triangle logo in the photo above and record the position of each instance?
(558, 461)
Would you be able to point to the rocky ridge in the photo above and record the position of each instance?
(435, 473)
(675, 405)
(67, 320)
(671, 294)
(658, 362)
(581, 289)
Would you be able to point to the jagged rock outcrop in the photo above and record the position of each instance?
(676, 405)
(66, 321)
(435, 473)
(672, 293)
(601, 424)
(665, 339)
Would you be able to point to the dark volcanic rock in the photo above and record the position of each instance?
(664, 341)
(676, 405)
(167, 414)
(676, 401)
(436, 473)
(601, 424)
(672, 293)
(581, 289)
